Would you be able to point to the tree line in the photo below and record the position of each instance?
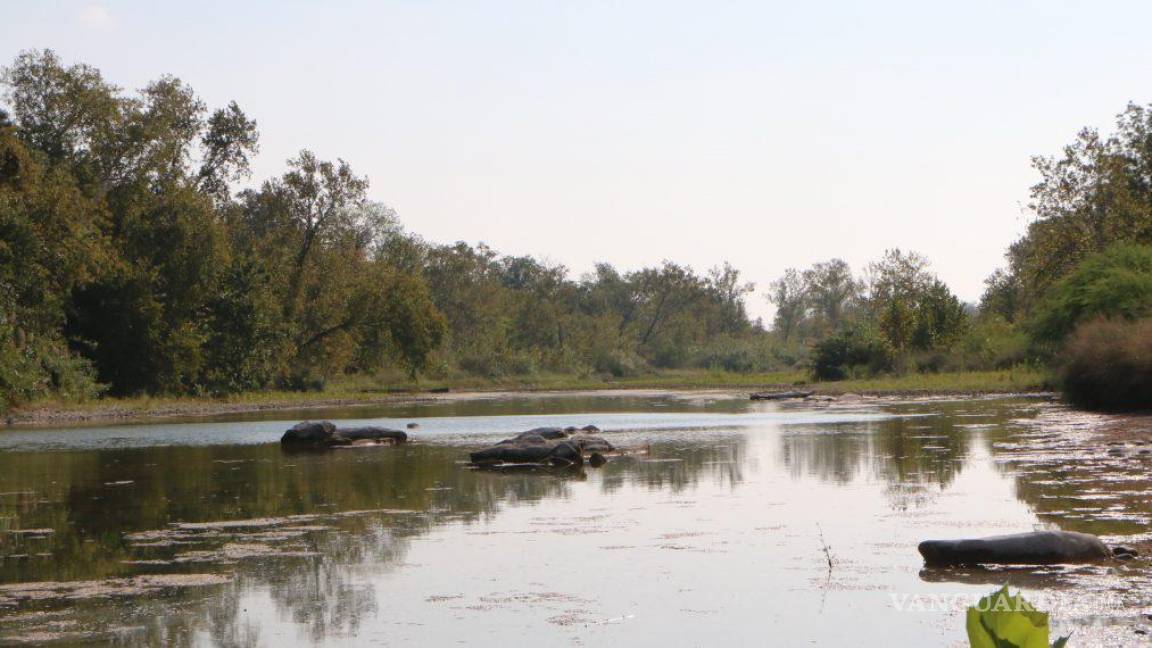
(129, 264)
(1079, 282)
(1075, 296)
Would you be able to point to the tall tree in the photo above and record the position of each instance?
(832, 292)
(790, 295)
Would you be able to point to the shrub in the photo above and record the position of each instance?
(620, 363)
(1107, 364)
(933, 361)
(853, 351)
(35, 367)
(1116, 283)
(742, 355)
(988, 343)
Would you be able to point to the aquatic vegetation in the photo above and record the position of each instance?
(1001, 620)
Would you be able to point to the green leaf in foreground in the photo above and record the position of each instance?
(1001, 620)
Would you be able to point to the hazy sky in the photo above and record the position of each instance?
(767, 134)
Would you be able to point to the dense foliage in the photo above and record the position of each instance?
(854, 350)
(129, 263)
(1085, 257)
(1098, 193)
(865, 326)
(1115, 283)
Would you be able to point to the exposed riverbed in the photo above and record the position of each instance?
(206, 532)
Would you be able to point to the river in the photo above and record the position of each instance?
(735, 522)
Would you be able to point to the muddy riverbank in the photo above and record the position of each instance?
(139, 410)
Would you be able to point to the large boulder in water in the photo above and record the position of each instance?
(547, 446)
(546, 435)
(531, 437)
(324, 434)
(310, 433)
(372, 433)
(533, 449)
(1033, 548)
(590, 444)
(547, 432)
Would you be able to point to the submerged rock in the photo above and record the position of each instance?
(552, 446)
(1033, 548)
(325, 434)
(558, 453)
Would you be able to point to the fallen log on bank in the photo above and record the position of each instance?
(781, 395)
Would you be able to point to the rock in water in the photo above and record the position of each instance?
(592, 444)
(324, 434)
(1034, 548)
(309, 433)
(547, 446)
(369, 433)
(547, 432)
(558, 453)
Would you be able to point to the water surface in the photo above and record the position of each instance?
(207, 533)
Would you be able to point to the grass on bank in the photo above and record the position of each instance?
(364, 389)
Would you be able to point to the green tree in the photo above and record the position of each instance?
(833, 292)
(913, 308)
(940, 317)
(52, 242)
(790, 295)
(414, 326)
(1094, 195)
(1002, 295)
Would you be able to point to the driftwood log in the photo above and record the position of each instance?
(781, 395)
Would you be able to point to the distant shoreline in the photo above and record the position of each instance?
(117, 410)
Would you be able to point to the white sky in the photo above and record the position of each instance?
(767, 134)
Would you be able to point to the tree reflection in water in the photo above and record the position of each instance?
(913, 456)
(353, 509)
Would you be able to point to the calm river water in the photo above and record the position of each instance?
(744, 523)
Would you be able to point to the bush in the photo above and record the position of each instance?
(993, 343)
(35, 367)
(1107, 364)
(989, 343)
(741, 355)
(1116, 283)
(620, 363)
(933, 361)
(852, 352)
(499, 364)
